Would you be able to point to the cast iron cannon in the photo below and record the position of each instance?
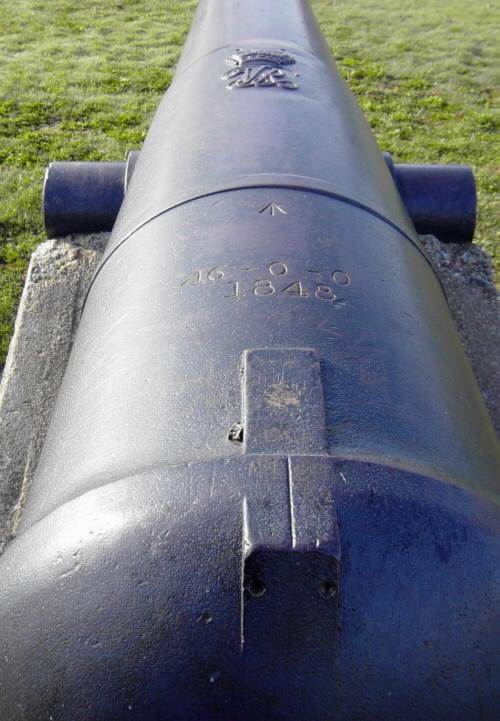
(268, 488)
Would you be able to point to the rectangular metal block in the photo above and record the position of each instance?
(283, 404)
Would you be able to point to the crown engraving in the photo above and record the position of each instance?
(260, 68)
(277, 58)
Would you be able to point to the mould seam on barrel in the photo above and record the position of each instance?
(251, 186)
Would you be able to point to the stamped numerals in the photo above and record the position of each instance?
(215, 274)
(283, 279)
(324, 292)
(278, 268)
(193, 279)
(340, 277)
(263, 287)
(296, 289)
(203, 275)
(234, 289)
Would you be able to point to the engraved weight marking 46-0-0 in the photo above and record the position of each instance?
(282, 281)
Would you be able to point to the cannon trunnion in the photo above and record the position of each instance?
(268, 488)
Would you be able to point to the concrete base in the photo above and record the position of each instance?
(58, 276)
(57, 280)
(467, 274)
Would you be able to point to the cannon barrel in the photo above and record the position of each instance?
(268, 490)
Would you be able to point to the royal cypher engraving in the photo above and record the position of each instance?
(260, 69)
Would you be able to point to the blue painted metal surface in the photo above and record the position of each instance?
(270, 486)
(84, 197)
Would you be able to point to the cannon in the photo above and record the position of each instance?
(86, 197)
(269, 486)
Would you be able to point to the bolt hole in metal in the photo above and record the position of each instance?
(328, 589)
(236, 433)
(214, 676)
(206, 617)
(256, 587)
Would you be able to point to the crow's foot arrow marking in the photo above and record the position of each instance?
(272, 209)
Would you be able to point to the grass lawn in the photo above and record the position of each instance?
(81, 80)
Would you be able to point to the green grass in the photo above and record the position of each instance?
(81, 80)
